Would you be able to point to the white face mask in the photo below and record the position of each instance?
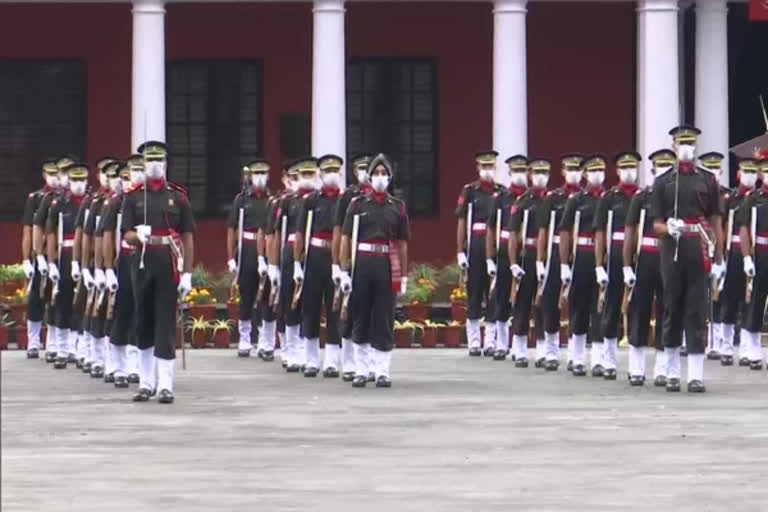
(362, 176)
(259, 181)
(63, 180)
(77, 187)
(155, 169)
(137, 177)
(686, 152)
(126, 184)
(662, 169)
(539, 180)
(518, 179)
(306, 183)
(115, 185)
(331, 179)
(487, 174)
(52, 181)
(573, 177)
(595, 178)
(748, 179)
(103, 181)
(380, 182)
(628, 175)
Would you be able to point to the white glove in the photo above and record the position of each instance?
(462, 260)
(518, 272)
(629, 276)
(298, 272)
(565, 273)
(111, 280)
(718, 271)
(185, 285)
(99, 279)
(75, 271)
(29, 269)
(42, 265)
(601, 275)
(675, 227)
(274, 275)
(232, 265)
(88, 281)
(144, 231)
(53, 271)
(749, 266)
(346, 283)
(403, 285)
(541, 271)
(336, 273)
(262, 266)
(491, 267)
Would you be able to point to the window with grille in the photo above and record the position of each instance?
(42, 115)
(214, 126)
(392, 108)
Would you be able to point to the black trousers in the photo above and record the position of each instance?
(98, 321)
(582, 300)
(526, 294)
(753, 318)
(123, 329)
(734, 287)
(477, 277)
(63, 310)
(611, 315)
(155, 302)
(550, 299)
(35, 304)
(289, 315)
(374, 312)
(502, 309)
(647, 287)
(318, 292)
(686, 294)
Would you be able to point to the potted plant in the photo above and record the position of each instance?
(421, 288)
(6, 322)
(201, 304)
(20, 337)
(222, 333)
(452, 334)
(431, 332)
(198, 329)
(404, 333)
(459, 304)
(11, 278)
(17, 305)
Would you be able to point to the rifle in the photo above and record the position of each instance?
(59, 248)
(299, 288)
(550, 241)
(179, 253)
(728, 236)
(353, 258)
(240, 223)
(492, 287)
(274, 293)
(628, 290)
(753, 237)
(118, 244)
(464, 278)
(565, 290)
(516, 282)
(609, 242)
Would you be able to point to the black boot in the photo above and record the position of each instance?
(756, 365)
(72, 358)
(636, 380)
(500, 355)
(246, 352)
(696, 386)
(97, 371)
(80, 362)
(359, 381)
(714, 355)
(475, 352)
(50, 357)
(311, 371)
(660, 381)
(331, 373)
(726, 360)
(541, 362)
(348, 376)
(86, 368)
(521, 363)
(673, 385)
(598, 371)
(109, 378)
(744, 361)
(33, 353)
(569, 366)
(143, 395)
(61, 363)
(293, 368)
(489, 352)
(121, 382)
(268, 356)
(165, 396)
(610, 374)
(579, 370)
(553, 365)
(371, 377)
(133, 378)
(383, 382)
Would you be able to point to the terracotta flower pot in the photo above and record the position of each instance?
(429, 337)
(418, 312)
(19, 313)
(20, 335)
(198, 338)
(4, 334)
(452, 336)
(222, 338)
(403, 338)
(459, 311)
(233, 311)
(207, 312)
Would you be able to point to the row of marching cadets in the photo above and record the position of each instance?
(680, 250)
(99, 265)
(315, 253)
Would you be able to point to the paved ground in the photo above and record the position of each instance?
(454, 434)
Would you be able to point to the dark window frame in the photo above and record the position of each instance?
(433, 64)
(213, 173)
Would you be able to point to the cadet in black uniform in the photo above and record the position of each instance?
(158, 221)
(118, 256)
(382, 246)
(642, 275)
(754, 248)
(315, 258)
(732, 288)
(60, 233)
(473, 207)
(247, 258)
(362, 187)
(35, 305)
(583, 292)
(613, 207)
(686, 201)
(522, 254)
(498, 266)
(56, 340)
(548, 216)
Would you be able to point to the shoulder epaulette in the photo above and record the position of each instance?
(177, 188)
(135, 188)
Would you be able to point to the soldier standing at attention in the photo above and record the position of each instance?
(473, 207)
(158, 221)
(687, 209)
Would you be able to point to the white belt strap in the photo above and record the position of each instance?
(618, 236)
(292, 237)
(478, 226)
(735, 239)
(377, 248)
(68, 243)
(584, 240)
(320, 242)
(650, 241)
(505, 234)
(247, 235)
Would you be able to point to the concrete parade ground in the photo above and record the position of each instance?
(452, 434)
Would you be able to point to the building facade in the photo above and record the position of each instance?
(428, 82)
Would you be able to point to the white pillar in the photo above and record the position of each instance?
(329, 118)
(510, 78)
(712, 79)
(640, 91)
(148, 112)
(660, 101)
